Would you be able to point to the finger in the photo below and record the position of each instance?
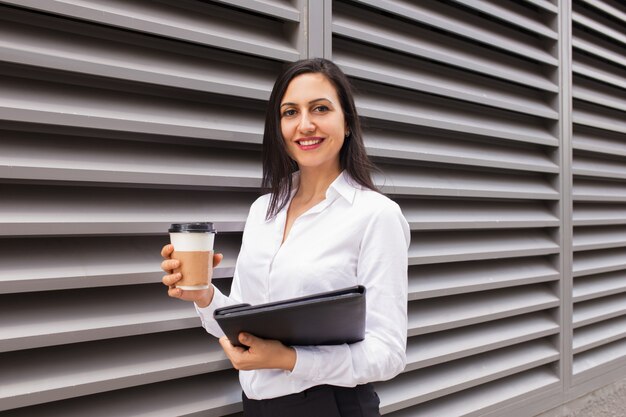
(167, 251)
(171, 279)
(226, 345)
(169, 265)
(175, 292)
(217, 258)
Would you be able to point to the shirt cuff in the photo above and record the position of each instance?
(305, 367)
(206, 313)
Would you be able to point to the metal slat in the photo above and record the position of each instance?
(462, 374)
(432, 315)
(598, 141)
(37, 210)
(543, 4)
(60, 372)
(598, 70)
(39, 102)
(215, 394)
(597, 48)
(62, 263)
(137, 58)
(453, 246)
(197, 22)
(594, 25)
(377, 64)
(276, 8)
(597, 286)
(474, 402)
(594, 190)
(455, 149)
(512, 14)
(599, 334)
(614, 12)
(596, 262)
(39, 157)
(590, 214)
(411, 39)
(593, 311)
(440, 214)
(436, 280)
(432, 349)
(90, 314)
(602, 356)
(589, 238)
(599, 117)
(585, 165)
(386, 103)
(598, 93)
(429, 181)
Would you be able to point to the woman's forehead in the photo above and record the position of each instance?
(308, 87)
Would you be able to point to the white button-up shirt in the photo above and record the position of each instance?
(355, 236)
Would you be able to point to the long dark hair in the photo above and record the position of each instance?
(278, 165)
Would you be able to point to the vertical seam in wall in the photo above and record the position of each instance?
(566, 183)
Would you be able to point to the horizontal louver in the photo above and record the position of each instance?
(599, 187)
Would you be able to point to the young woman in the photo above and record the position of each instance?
(323, 226)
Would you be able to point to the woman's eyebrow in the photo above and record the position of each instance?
(310, 102)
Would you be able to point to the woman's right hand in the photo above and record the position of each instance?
(201, 297)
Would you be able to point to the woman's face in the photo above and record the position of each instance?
(312, 122)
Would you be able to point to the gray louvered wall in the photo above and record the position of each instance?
(599, 187)
(460, 110)
(120, 117)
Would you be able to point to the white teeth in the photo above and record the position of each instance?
(309, 142)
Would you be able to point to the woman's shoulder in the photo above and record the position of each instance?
(260, 205)
(373, 201)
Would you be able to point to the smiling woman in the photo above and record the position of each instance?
(313, 125)
(322, 226)
(311, 100)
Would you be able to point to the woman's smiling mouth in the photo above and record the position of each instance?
(307, 144)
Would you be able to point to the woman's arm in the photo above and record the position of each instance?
(382, 269)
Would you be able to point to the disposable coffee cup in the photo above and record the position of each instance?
(193, 247)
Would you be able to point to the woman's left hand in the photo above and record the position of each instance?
(261, 353)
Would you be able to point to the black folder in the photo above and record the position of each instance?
(329, 318)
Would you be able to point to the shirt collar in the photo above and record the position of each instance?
(343, 185)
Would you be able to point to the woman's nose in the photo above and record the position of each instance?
(306, 125)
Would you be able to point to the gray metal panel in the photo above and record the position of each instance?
(599, 174)
(117, 119)
(467, 134)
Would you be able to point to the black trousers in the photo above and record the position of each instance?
(319, 401)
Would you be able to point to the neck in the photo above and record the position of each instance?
(314, 182)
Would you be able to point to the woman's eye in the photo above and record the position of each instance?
(289, 112)
(321, 109)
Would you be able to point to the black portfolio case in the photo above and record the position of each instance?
(329, 318)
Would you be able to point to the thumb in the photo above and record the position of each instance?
(247, 339)
(217, 258)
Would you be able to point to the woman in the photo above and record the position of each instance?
(322, 227)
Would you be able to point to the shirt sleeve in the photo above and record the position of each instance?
(221, 300)
(382, 268)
